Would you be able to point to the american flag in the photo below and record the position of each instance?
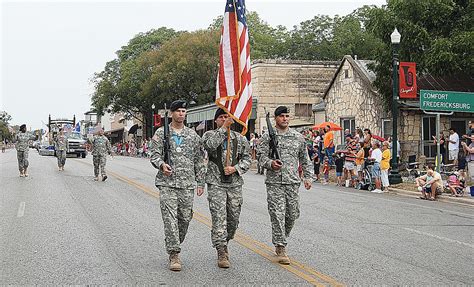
(234, 90)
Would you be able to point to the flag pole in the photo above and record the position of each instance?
(227, 156)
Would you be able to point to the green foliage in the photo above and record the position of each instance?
(118, 86)
(5, 118)
(185, 67)
(436, 34)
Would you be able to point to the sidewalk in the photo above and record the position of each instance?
(466, 199)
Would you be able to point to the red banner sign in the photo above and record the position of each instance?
(156, 120)
(407, 79)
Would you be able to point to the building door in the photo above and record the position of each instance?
(460, 126)
(428, 131)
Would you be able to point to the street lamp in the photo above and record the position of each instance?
(152, 119)
(395, 177)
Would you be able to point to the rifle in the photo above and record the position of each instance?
(273, 141)
(166, 140)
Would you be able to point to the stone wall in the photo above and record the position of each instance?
(277, 82)
(351, 97)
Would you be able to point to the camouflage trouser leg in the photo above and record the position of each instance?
(61, 155)
(177, 211)
(22, 157)
(225, 204)
(283, 207)
(99, 163)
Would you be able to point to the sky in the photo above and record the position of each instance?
(50, 50)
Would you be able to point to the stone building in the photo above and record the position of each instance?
(352, 101)
(296, 84)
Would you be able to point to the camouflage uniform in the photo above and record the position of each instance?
(177, 190)
(60, 147)
(22, 148)
(225, 199)
(282, 185)
(100, 148)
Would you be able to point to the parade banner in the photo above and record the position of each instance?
(407, 79)
(156, 120)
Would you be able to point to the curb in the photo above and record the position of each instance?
(442, 198)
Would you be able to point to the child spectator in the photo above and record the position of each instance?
(339, 167)
(316, 164)
(349, 166)
(326, 171)
(359, 161)
(456, 185)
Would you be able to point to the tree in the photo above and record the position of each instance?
(185, 67)
(118, 86)
(5, 118)
(436, 34)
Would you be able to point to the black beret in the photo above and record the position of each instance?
(22, 127)
(218, 113)
(178, 104)
(281, 110)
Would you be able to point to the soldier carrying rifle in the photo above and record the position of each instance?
(178, 155)
(281, 152)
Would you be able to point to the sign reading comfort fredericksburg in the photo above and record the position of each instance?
(446, 101)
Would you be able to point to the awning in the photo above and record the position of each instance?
(300, 123)
(133, 129)
(206, 112)
(120, 130)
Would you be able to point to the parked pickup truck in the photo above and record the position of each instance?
(76, 145)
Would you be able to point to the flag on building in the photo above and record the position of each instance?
(233, 88)
(201, 126)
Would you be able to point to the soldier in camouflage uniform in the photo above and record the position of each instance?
(224, 182)
(178, 179)
(100, 148)
(282, 179)
(22, 148)
(60, 148)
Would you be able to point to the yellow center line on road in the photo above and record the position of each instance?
(297, 268)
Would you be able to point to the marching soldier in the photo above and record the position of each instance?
(224, 181)
(100, 147)
(60, 148)
(179, 158)
(282, 179)
(22, 148)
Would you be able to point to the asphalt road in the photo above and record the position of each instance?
(64, 228)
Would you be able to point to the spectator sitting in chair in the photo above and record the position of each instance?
(456, 184)
(429, 184)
